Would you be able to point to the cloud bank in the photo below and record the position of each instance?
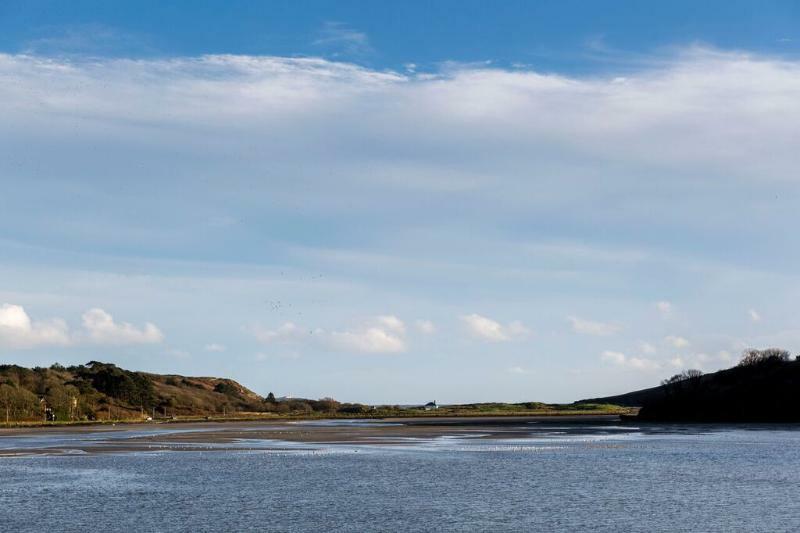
(18, 330)
(547, 192)
(384, 334)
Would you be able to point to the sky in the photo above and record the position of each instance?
(400, 202)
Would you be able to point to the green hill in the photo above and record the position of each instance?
(102, 391)
(98, 391)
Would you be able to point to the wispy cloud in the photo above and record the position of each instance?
(647, 348)
(634, 157)
(636, 363)
(369, 340)
(215, 347)
(426, 326)
(342, 39)
(380, 334)
(287, 332)
(87, 39)
(676, 341)
(487, 329)
(101, 328)
(665, 308)
(592, 327)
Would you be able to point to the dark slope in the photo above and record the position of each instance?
(631, 399)
(768, 391)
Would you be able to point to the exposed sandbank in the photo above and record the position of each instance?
(259, 435)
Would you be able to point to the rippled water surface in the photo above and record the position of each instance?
(557, 479)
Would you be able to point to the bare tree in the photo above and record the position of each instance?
(683, 376)
(756, 357)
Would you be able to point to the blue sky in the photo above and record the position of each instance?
(457, 201)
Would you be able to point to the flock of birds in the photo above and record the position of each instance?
(283, 308)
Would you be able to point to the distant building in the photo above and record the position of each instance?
(430, 406)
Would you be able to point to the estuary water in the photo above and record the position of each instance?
(554, 478)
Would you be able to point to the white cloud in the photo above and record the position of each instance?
(392, 323)
(754, 315)
(640, 363)
(215, 347)
(665, 308)
(380, 334)
(618, 358)
(636, 363)
(102, 329)
(677, 362)
(17, 330)
(491, 330)
(287, 332)
(647, 348)
(673, 118)
(342, 38)
(650, 118)
(369, 340)
(591, 327)
(676, 341)
(426, 326)
(701, 360)
(518, 370)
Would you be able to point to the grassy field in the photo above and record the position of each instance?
(465, 410)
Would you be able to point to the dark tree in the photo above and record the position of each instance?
(683, 376)
(769, 355)
(223, 387)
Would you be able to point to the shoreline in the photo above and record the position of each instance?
(269, 417)
(319, 434)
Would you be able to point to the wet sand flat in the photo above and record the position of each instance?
(271, 435)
